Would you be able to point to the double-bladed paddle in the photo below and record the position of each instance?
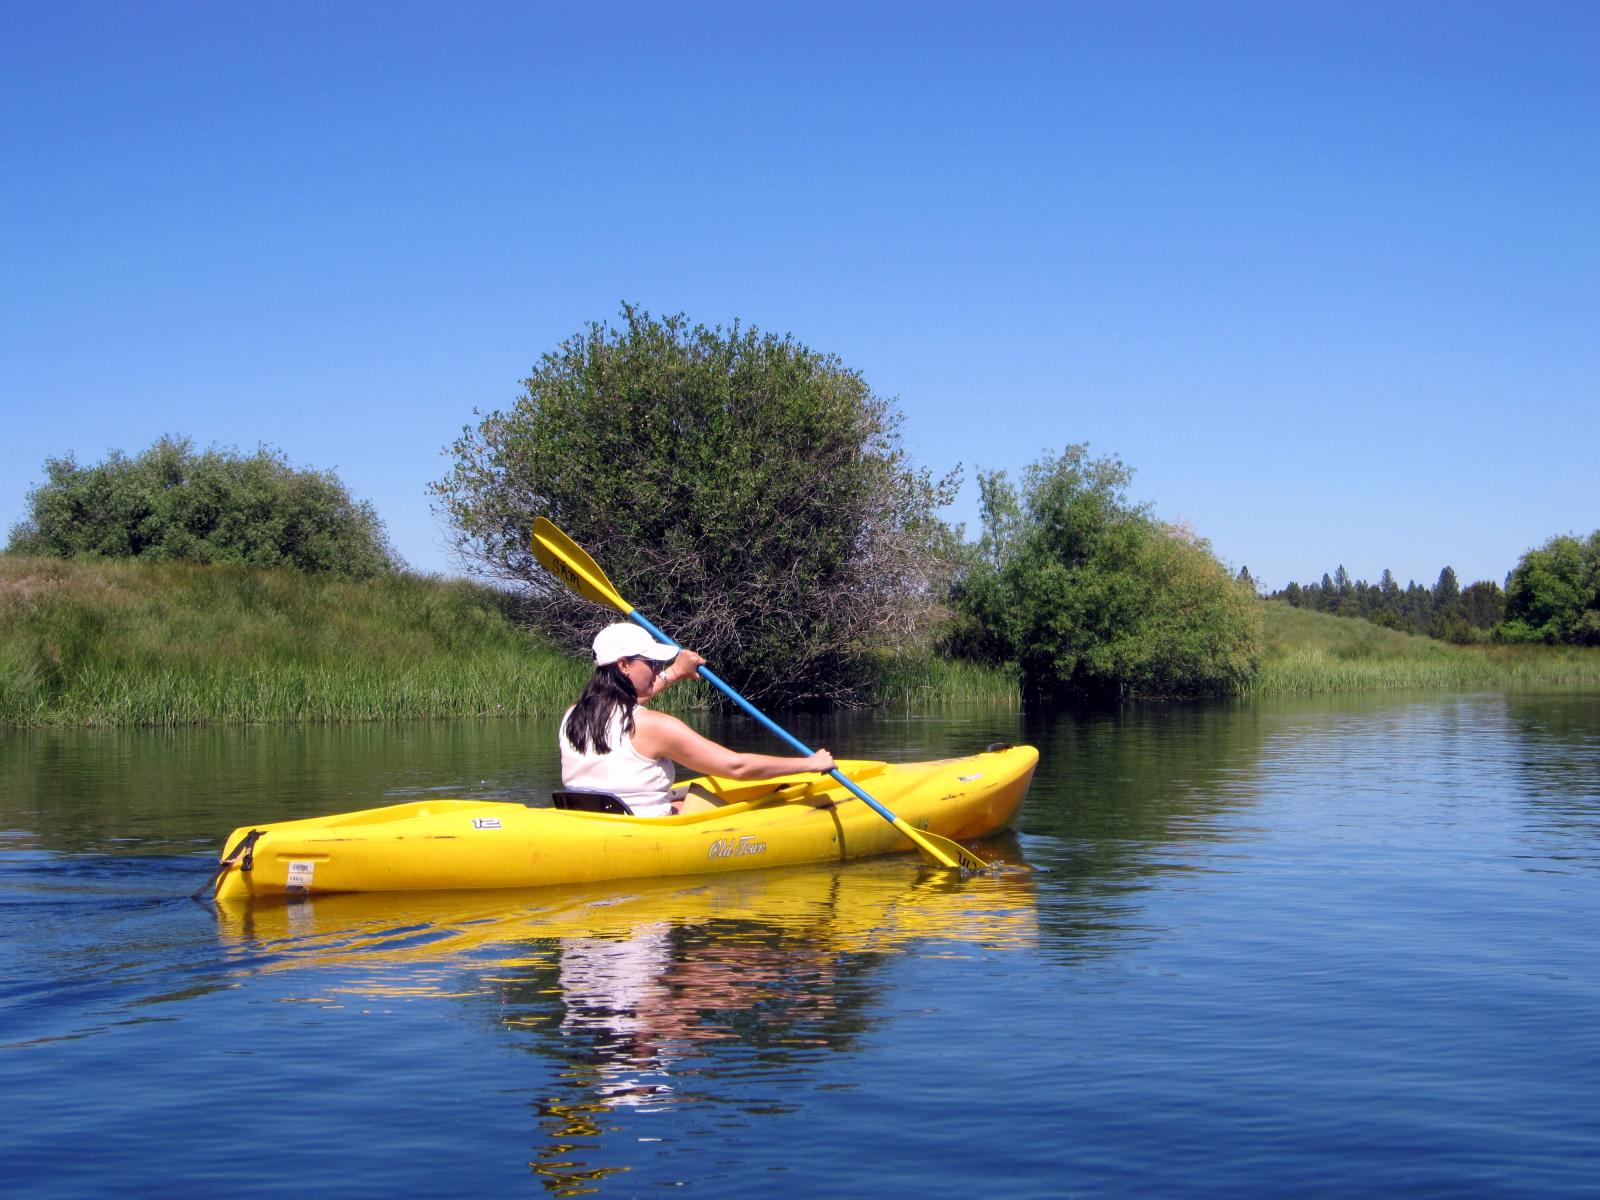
(571, 564)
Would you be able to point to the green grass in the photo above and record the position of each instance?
(1305, 652)
(129, 643)
(124, 643)
(924, 681)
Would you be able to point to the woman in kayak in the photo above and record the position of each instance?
(611, 742)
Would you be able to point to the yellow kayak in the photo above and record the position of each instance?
(468, 844)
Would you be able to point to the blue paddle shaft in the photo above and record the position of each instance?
(717, 682)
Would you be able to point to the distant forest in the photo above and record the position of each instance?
(1552, 596)
(1446, 610)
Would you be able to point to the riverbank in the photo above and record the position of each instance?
(1307, 652)
(126, 643)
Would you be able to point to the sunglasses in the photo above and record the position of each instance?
(655, 666)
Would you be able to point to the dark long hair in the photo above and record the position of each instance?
(608, 688)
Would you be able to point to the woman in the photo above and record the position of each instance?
(610, 742)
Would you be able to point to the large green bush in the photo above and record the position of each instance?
(1088, 594)
(1553, 595)
(216, 506)
(748, 494)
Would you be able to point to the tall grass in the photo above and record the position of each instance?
(125, 643)
(120, 643)
(924, 681)
(129, 643)
(1305, 652)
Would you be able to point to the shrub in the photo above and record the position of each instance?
(1553, 595)
(1087, 593)
(171, 503)
(749, 494)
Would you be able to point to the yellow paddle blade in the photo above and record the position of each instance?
(570, 563)
(941, 850)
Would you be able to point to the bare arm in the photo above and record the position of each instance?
(657, 735)
(686, 666)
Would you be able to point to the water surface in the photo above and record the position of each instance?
(1282, 948)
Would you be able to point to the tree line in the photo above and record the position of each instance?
(1446, 610)
(1551, 597)
(754, 497)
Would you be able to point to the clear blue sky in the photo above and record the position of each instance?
(1327, 275)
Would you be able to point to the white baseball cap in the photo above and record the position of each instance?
(626, 640)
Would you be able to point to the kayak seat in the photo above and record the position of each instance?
(596, 802)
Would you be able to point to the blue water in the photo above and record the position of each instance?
(1299, 948)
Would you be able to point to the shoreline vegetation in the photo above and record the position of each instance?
(1305, 652)
(99, 643)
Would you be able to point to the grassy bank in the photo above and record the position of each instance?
(1305, 652)
(125, 643)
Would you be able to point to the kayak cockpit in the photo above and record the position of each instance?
(726, 796)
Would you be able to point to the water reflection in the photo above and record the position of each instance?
(878, 907)
(105, 790)
(1124, 804)
(735, 1015)
(1125, 800)
(725, 992)
(1238, 918)
(1557, 765)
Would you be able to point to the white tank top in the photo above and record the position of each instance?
(643, 784)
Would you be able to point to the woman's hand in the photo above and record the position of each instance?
(820, 761)
(686, 666)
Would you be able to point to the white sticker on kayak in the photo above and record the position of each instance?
(486, 822)
(970, 778)
(300, 875)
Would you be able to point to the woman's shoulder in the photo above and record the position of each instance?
(649, 719)
(657, 734)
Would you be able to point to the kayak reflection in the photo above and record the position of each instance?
(402, 944)
(654, 995)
